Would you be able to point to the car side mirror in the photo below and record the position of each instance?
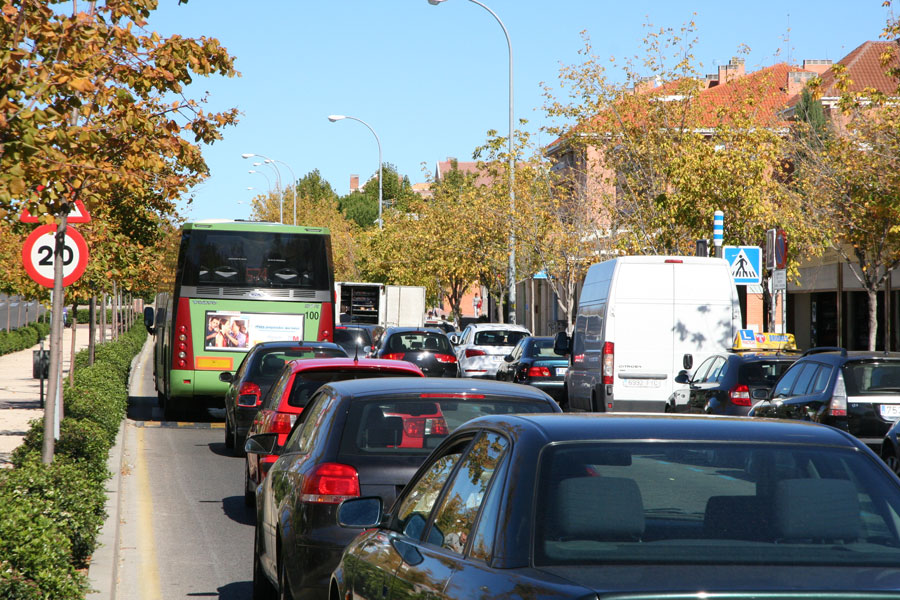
(226, 376)
(360, 513)
(687, 361)
(562, 344)
(682, 377)
(454, 339)
(759, 394)
(509, 358)
(262, 443)
(148, 320)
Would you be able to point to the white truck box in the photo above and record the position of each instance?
(380, 304)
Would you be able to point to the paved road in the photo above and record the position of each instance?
(185, 532)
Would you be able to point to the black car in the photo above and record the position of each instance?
(533, 362)
(724, 383)
(357, 339)
(428, 349)
(631, 506)
(855, 391)
(255, 375)
(355, 438)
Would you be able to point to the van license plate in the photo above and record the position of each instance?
(648, 383)
(891, 411)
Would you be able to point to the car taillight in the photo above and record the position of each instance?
(740, 395)
(394, 356)
(470, 352)
(420, 426)
(282, 423)
(838, 405)
(249, 394)
(326, 322)
(445, 358)
(183, 352)
(539, 372)
(330, 483)
(608, 362)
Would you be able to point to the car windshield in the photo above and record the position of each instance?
(762, 372)
(306, 383)
(498, 337)
(868, 377)
(418, 341)
(714, 503)
(417, 423)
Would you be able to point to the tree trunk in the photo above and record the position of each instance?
(873, 317)
(92, 329)
(103, 318)
(72, 345)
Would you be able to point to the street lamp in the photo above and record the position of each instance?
(267, 183)
(271, 163)
(512, 172)
(335, 118)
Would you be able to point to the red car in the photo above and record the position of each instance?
(288, 396)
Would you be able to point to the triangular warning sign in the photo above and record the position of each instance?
(742, 267)
(77, 214)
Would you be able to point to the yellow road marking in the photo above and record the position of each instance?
(149, 571)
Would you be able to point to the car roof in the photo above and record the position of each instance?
(284, 344)
(764, 355)
(674, 427)
(478, 326)
(394, 330)
(368, 364)
(436, 385)
(849, 355)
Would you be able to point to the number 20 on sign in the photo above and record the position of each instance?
(37, 255)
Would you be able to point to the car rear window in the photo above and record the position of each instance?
(762, 372)
(869, 377)
(415, 424)
(714, 504)
(269, 364)
(542, 349)
(419, 340)
(357, 337)
(498, 337)
(306, 383)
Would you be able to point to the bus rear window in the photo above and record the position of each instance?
(256, 259)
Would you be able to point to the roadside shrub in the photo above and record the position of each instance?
(81, 441)
(36, 552)
(69, 497)
(22, 338)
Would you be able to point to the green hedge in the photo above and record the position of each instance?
(84, 315)
(53, 513)
(22, 338)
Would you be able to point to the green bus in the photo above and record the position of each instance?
(237, 283)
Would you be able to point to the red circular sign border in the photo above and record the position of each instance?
(46, 281)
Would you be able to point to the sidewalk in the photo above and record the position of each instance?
(20, 393)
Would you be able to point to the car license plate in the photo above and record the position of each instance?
(642, 383)
(561, 371)
(891, 411)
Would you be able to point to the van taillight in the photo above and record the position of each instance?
(182, 349)
(740, 395)
(249, 394)
(330, 483)
(838, 405)
(608, 362)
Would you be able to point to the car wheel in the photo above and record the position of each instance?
(892, 460)
(262, 587)
(249, 488)
(229, 434)
(284, 587)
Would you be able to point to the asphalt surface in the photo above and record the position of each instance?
(177, 524)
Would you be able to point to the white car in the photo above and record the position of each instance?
(482, 346)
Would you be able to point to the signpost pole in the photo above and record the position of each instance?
(718, 232)
(57, 303)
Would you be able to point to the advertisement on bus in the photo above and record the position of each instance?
(239, 331)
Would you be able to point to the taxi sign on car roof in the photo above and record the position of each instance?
(747, 339)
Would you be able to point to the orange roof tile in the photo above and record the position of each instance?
(865, 69)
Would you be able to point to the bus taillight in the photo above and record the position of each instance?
(326, 322)
(182, 349)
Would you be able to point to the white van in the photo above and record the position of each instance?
(638, 316)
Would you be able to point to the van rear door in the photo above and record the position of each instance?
(643, 314)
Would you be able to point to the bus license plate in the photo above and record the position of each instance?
(644, 383)
(890, 411)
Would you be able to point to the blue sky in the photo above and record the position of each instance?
(432, 80)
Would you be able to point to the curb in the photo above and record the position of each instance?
(103, 572)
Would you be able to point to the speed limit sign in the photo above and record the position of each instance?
(37, 255)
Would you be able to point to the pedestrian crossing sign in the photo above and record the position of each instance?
(745, 262)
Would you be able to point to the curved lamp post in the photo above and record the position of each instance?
(271, 163)
(335, 118)
(512, 171)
